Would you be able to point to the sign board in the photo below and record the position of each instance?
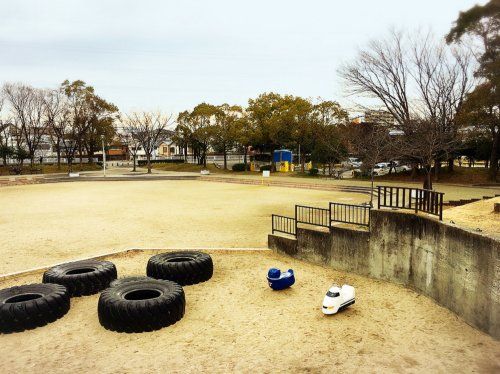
(266, 173)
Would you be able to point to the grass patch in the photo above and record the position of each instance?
(460, 175)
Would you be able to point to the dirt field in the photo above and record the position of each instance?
(236, 323)
(51, 223)
(474, 216)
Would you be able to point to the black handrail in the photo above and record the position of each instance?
(349, 213)
(312, 216)
(286, 225)
(417, 199)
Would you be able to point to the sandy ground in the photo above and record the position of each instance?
(236, 323)
(50, 223)
(478, 216)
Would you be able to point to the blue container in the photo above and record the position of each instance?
(282, 155)
(278, 280)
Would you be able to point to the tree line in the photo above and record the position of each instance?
(73, 116)
(442, 94)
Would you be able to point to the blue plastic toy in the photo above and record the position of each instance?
(278, 280)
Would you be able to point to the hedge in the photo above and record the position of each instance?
(240, 167)
(174, 161)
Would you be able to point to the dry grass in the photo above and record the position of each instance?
(48, 223)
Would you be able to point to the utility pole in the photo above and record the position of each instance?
(103, 155)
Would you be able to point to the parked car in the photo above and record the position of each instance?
(401, 168)
(379, 169)
(352, 162)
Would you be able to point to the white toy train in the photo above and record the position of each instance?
(338, 298)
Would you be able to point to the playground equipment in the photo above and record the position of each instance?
(282, 159)
(278, 280)
(338, 298)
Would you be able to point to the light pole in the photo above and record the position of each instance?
(103, 155)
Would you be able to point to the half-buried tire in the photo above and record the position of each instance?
(82, 277)
(141, 305)
(185, 268)
(32, 305)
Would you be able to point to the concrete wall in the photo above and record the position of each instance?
(457, 268)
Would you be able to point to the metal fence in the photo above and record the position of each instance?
(312, 216)
(348, 213)
(416, 199)
(286, 225)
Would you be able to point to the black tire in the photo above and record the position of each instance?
(32, 305)
(82, 277)
(185, 268)
(141, 305)
(121, 281)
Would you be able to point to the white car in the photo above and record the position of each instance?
(338, 298)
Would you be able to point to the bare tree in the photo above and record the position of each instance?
(133, 145)
(28, 109)
(67, 131)
(381, 71)
(149, 129)
(56, 108)
(420, 82)
(372, 143)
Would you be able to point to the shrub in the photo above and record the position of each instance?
(313, 171)
(240, 167)
(168, 161)
(266, 167)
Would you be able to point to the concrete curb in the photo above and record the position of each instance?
(102, 256)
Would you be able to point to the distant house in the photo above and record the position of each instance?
(379, 116)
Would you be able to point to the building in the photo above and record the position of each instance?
(379, 116)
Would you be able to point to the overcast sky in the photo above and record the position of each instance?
(172, 55)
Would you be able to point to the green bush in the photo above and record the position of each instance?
(241, 167)
(266, 167)
(313, 171)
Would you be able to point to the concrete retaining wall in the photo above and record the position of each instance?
(457, 268)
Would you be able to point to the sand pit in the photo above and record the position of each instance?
(49, 223)
(236, 323)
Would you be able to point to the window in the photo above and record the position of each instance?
(332, 294)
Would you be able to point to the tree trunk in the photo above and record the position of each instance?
(90, 155)
(225, 157)
(414, 171)
(451, 164)
(245, 157)
(134, 158)
(148, 158)
(493, 170)
(428, 178)
(437, 169)
(372, 188)
(58, 151)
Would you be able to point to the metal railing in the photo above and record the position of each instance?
(312, 216)
(348, 213)
(285, 225)
(417, 199)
